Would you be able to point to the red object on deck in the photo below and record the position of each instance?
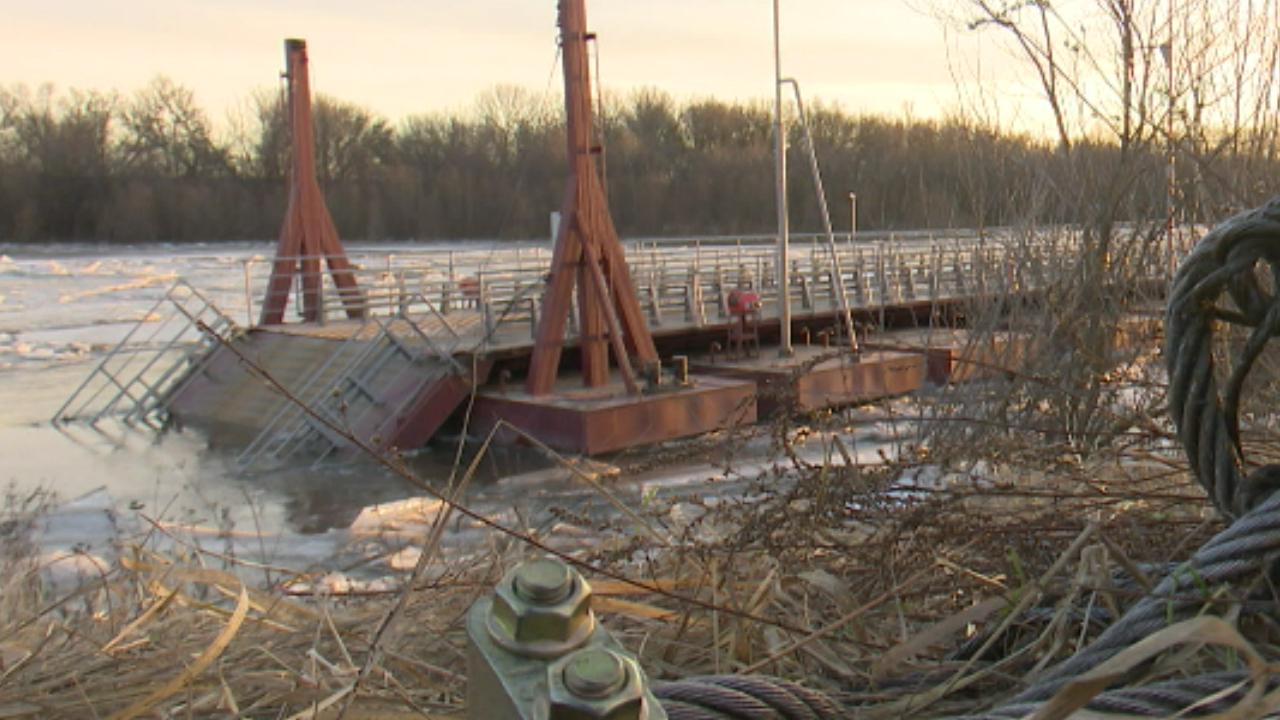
(587, 254)
(742, 302)
(308, 235)
(469, 286)
(744, 324)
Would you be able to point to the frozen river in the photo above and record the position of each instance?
(62, 309)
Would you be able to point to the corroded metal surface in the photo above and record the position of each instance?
(587, 253)
(599, 420)
(815, 377)
(960, 355)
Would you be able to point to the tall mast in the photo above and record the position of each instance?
(308, 235)
(780, 179)
(587, 253)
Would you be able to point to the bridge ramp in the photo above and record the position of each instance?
(286, 398)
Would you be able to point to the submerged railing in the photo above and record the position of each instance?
(133, 381)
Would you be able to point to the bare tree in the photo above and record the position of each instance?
(59, 148)
(1162, 112)
(168, 135)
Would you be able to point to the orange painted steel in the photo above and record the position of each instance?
(587, 253)
(308, 236)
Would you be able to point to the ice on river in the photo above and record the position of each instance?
(67, 307)
(63, 309)
(61, 303)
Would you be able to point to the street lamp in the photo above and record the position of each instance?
(853, 215)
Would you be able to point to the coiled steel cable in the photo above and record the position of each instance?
(1250, 545)
(1231, 261)
(756, 697)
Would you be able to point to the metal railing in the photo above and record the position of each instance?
(486, 296)
(134, 379)
(347, 387)
(473, 300)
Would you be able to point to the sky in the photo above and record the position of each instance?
(402, 57)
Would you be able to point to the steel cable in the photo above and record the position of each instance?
(1238, 553)
(745, 697)
(1227, 263)
(1162, 699)
(1239, 260)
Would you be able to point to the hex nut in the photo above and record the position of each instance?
(541, 608)
(596, 683)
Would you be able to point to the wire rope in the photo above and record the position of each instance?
(1231, 277)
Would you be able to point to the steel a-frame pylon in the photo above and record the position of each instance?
(587, 253)
(308, 236)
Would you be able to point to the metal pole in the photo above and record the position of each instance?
(248, 295)
(853, 215)
(780, 151)
(883, 289)
(837, 271)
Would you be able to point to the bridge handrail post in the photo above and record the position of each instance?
(248, 294)
(936, 268)
(486, 305)
(882, 285)
(321, 310)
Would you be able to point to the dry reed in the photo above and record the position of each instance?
(1009, 522)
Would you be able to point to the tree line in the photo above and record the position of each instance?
(86, 165)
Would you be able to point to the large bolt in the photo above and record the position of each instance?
(542, 608)
(596, 683)
(594, 673)
(543, 581)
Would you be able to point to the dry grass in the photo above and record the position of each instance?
(1043, 503)
(829, 579)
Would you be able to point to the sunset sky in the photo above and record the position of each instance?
(401, 57)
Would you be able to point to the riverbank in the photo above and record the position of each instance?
(840, 574)
(836, 548)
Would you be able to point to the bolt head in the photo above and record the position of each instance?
(594, 673)
(541, 608)
(543, 581)
(596, 683)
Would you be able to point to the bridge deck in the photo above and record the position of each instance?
(422, 314)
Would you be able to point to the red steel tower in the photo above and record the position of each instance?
(308, 236)
(587, 253)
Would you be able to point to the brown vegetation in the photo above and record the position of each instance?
(151, 166)
(935, 598)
